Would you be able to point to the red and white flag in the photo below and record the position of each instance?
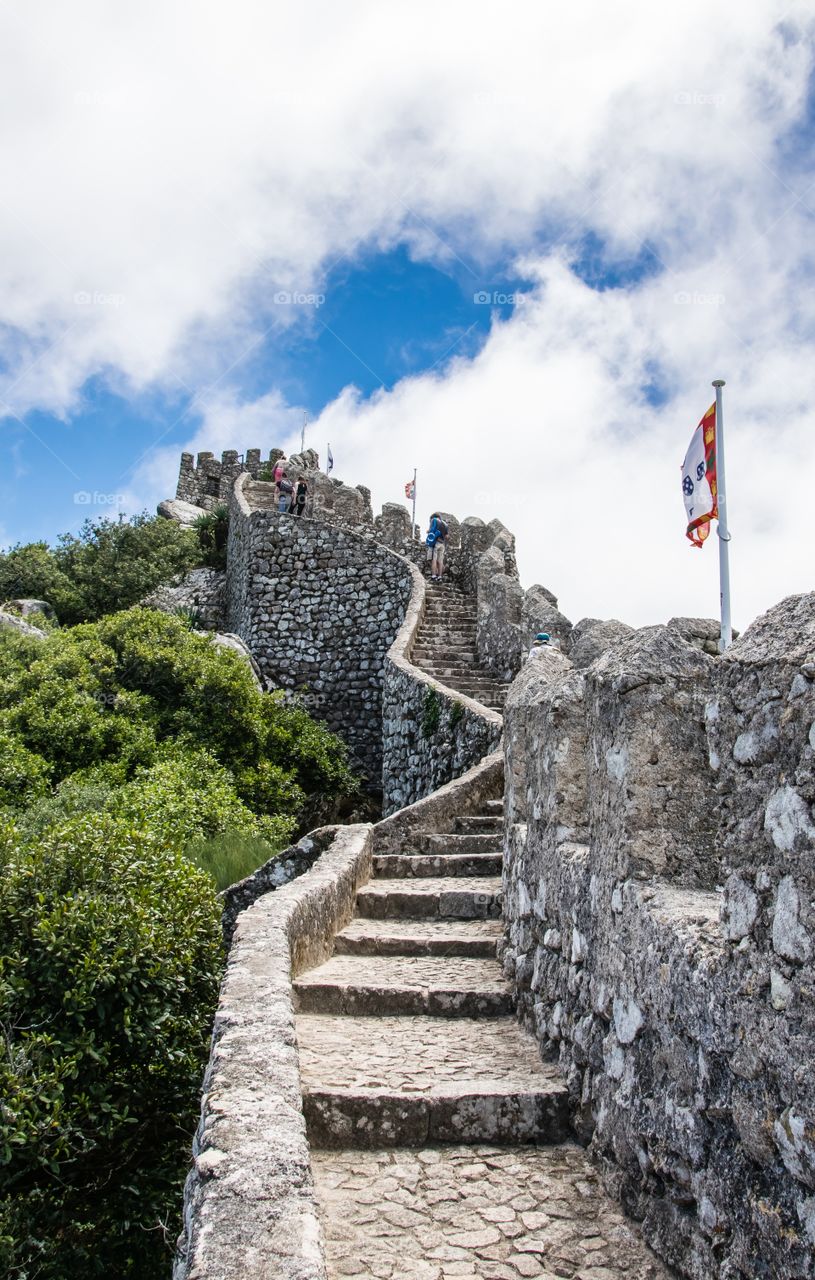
(410, 488)
(699, 487)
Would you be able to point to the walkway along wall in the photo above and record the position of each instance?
(250, 1210)
(681, 1012)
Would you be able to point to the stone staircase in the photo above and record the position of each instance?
(439, 1140)
(445, 646)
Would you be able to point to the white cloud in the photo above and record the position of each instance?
(179, 166)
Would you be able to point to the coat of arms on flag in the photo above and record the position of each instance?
(699, 488)
(409, 489)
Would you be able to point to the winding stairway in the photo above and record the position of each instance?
(445, 646)
(440, 1141)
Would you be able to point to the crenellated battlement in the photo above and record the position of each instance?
(205, 481)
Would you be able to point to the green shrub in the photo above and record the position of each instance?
(115, 690)
(212, 530)
(431, 714)
(109, 966)
(189, 616)
(23, 774)
(456, 713)
(110, 565)
(183, 796)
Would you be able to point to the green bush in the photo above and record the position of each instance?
(109, 966)
(23, 774)
(115, 690)
(211, 530)
(110, 565)
(431, 713)
(141, 769)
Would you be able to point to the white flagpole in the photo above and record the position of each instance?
(413, 525)
(722, 530)
(303, 434)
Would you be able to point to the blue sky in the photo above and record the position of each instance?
(383, 318)
(649, 201)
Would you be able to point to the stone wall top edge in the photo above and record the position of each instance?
(278, 908)
(237, 1237)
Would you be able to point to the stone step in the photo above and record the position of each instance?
(399, 866)
(408, 1081)
(427, 937)
(462, 652)
(454, 670)
(448, 622)
(479, 824)
(494, 806)
(459, 842)
(464, 687)
(461, 663)
(445, 897)
(441, 642)
(473, 678)
(435, 986)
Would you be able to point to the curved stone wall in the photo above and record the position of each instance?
(332, 613)
(249, 1205)
(430, 733)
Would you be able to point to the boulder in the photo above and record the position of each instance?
(184, 513)
(590, 639)
(11, 622)
(27, 606)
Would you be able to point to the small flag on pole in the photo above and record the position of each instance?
(410, 489)
(330, 464)
(699, 482)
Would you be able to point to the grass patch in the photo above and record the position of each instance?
(231, 857)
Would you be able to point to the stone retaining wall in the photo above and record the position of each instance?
(680, 1014)
(332, 613)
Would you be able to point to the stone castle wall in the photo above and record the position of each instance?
(681, 1013)
(318, 607)
(330, 612)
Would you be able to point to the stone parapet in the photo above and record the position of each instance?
(249, 1204)
(635, 787)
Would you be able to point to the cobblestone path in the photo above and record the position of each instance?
(441, 1144)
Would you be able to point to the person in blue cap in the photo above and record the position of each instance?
(541, 641)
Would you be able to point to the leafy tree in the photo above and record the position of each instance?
(109, 565)
(110, 957)
(34, 571)
(114, 691)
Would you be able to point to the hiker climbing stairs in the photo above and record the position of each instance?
(445, 646)
(440, 1141)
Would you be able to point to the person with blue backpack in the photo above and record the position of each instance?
(435, 542)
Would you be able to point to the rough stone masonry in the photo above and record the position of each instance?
(658, 868)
